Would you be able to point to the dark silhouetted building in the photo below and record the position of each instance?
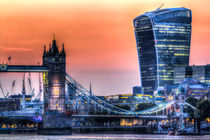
(137, 90)
(20, 97)
(201, 73)
(163, 41)
(9, 104)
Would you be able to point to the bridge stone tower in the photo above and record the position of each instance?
(55, 121)
(54, 80)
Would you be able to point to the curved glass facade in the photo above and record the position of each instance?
(163, 42)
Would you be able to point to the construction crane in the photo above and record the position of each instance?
(2, 90)
(30, 85)
(13, 86)
(5, 96)
(40, 88)
(160, 6)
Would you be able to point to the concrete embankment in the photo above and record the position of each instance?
(82, 130)
(116, 130)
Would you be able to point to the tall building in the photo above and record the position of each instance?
(163, 41)
(136, 90)
(55, 61)
(201, 73)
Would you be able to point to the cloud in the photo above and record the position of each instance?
(12, 49)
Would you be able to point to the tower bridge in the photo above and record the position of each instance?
(55, 80)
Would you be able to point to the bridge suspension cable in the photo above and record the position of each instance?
(80, 90)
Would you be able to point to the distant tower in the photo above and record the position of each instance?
(55, 61)
(90, 90)
(23, 93)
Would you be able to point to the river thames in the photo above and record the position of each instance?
(102, 137)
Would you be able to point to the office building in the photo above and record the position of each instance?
(201, 73)
(163, 42)
(136, 90)
(191, 87)
(9, 104)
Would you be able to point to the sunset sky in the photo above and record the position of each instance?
(98, 36)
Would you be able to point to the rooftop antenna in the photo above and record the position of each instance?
(160, 6)
(53, 36)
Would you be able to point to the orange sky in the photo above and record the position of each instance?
(98, 36)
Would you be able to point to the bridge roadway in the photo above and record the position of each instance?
(37, 116)
(123, 116)
(23, 68)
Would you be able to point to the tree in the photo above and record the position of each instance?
(203, 108)
(203, 111)
(192, 101)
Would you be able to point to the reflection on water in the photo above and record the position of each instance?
(99, 137)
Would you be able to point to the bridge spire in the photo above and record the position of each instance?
(90, 90)
(63, 50)
(44, 54)
(23, 92)
(54, 46)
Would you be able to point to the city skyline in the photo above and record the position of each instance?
(105, 51)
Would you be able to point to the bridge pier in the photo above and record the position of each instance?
(55, 124)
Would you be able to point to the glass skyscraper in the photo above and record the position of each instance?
(163, 42)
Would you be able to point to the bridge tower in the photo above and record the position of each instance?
(54, 92)
(54, 80)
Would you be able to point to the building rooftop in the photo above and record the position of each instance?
(159, 11)
(191, 81)
(156, 12)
